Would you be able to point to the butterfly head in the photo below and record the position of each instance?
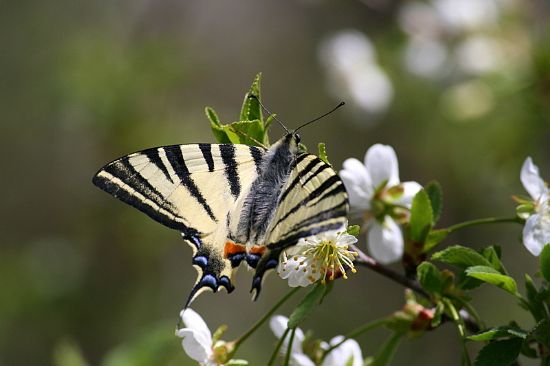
(292, 141)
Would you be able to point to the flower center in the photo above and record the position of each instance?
(331, 259)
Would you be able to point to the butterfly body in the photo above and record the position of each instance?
(232, 203)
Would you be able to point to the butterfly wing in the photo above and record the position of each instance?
(312, 201)
(189, 188)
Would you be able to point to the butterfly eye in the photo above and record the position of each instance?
(298, 138)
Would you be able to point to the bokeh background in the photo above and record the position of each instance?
(460, 89)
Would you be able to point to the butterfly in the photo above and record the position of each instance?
(232, 203)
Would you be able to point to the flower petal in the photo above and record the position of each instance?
(531, 180)
(381, 163)
(385, 241)
(297, 270)
(194, 321)
(299, 359)
(278, 325)
(341, 355)
(410, 189)
(358, 183)
(194, 345)
(536, 233)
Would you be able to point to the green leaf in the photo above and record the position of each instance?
(306, 306)
(217, 128)
(435, 237)
(435, 193)
(323, 152)
(534, 303)
(545, 262)
(212, 116)
(430, 278)
(241, 132)
(421, 217)
(461, 257)
(247, 132)
(492, 254)
(541, 332)
(354, 230)
(493, 277)
(251, 109)
(499, 332)
(499, 353)
(385, 354)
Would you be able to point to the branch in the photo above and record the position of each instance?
(369, 262)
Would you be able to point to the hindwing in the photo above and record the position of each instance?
(312, 201)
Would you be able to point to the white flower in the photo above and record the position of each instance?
(375, 189)
(350, 61)
(340, 356)
(318, 257)
(197, 339)
(198, 342)
(536, 232)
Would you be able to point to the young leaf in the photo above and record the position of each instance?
(499, 353)
(421, 217)
(217, 128)
(354, 230)
(461, 257)
(247, 132)
(430, 278)
(541, 332)
(499, 332)
(323, 152)
(545, 262)
(435, 193)
(534, 303)
(492, 254)
(212, 116)
(251, 109)
(493, 277)
(435, 237)
(306, 306)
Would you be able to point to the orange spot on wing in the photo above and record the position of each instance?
(233, 248)
(257, 250)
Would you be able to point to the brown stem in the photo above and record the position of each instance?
(369, 262)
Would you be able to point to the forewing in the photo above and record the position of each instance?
(312, 201)
(190, 188)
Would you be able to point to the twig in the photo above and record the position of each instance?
(369, 262)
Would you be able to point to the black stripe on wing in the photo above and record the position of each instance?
(206, 150)
(227, 153)
(302, 173)
(257, 155)
(175, 157)
(134, 190)
(154, 157)
(325, 190)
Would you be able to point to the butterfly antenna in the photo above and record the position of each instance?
(318, 118)
(252, 96)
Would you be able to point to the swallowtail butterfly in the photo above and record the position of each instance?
(231, 203)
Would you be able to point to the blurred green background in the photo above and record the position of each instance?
(460, 89)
